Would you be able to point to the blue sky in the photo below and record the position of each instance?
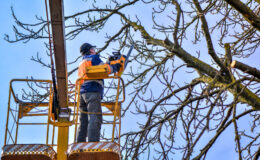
(16, 63)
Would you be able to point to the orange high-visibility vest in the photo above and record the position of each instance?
(82, 69)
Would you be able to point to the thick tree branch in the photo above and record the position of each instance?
(236, 88)
(246, 68)
(247, 13)
(228, 56)
(176, 28)
(257, 155)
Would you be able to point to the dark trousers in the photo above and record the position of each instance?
(90, 124)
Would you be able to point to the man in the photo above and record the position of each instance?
(91, 93)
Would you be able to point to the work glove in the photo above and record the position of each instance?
(116, 67)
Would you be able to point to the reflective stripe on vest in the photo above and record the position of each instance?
(82, 67)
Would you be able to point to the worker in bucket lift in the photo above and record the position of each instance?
(91, 94)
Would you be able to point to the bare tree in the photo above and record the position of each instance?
(182, 87)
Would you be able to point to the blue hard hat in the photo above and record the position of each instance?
(85, 48)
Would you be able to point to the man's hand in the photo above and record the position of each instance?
(116, 67)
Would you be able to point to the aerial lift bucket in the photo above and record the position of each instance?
(24, 151)
(99, 150)
(76, 151)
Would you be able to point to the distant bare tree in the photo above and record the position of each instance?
(184, 90)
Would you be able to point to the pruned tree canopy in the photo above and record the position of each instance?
(182, 89)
